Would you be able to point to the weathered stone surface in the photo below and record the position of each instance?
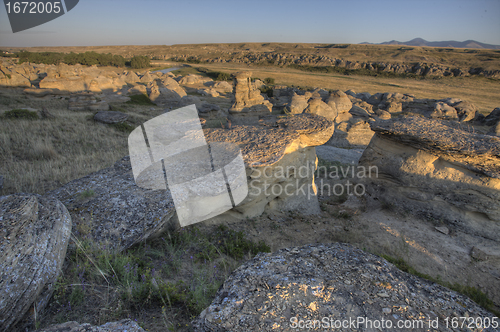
(319, 107)
(194, 79)
(125, 325)
(165, 91)
(279, 291)
(115, 211)
(223, 86)
(466, 111)
(493, 118)
(339, 102)
(355, 133)
(137, 89)
(269, 153)
(298, 104)
(247, 97)
(71, 84)
(383, 115)
(444, 111)
(437, 170)
(34, 235)
(110, 117)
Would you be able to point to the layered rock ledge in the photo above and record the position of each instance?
(436, 170)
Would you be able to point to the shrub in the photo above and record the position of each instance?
(219, 76)
(21, 114)
(267, 90)
(140, 100)
(139, 61)
(269, 80)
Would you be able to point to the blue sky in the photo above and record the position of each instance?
(164, 22)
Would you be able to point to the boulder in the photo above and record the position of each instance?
(126, 325)
(147, 77)
(324, 287)
(137, 89)
(298, 104)
(434, 169)
(194, 79)
(110, 117)
(341, 104)
(165, 91)
(493, 118)
(319, 107)
(383, 115)
(34, 235)
(208, 92)
(116, 213)
(443, 111)
(223, 86)
(131, 77)
(280, 161)
(466, 111)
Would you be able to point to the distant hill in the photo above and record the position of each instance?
(448, 43)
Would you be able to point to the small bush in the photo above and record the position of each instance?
(140, 100)
(140, 61)
(267, 90)
(219, 76)
(21, 114)
(269, 80)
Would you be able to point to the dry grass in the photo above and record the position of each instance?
(482, 92)
(40, 155)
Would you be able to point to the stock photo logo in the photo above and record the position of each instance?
(204, 179)
(25, 15)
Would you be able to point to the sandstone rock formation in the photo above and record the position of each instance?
(110, 117)
(115, 211)
(34, 235)
(166, 91)
(341, 104)
(280, 161)
(125, 325)
(248, 102)
(194, 79)
(318, 107)
(436, 170)
(298, 103)
(318, 287)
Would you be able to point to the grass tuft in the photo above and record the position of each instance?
(140, 100)
(21, 114)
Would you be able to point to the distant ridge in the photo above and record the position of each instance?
(448, 43)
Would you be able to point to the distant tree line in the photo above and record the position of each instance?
(86, 59)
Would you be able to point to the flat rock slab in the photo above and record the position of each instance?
(110, 117)
(267, 144)
(331, 283)
(125, 325)
(108, 207)
(479, 153)
(34, 235)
